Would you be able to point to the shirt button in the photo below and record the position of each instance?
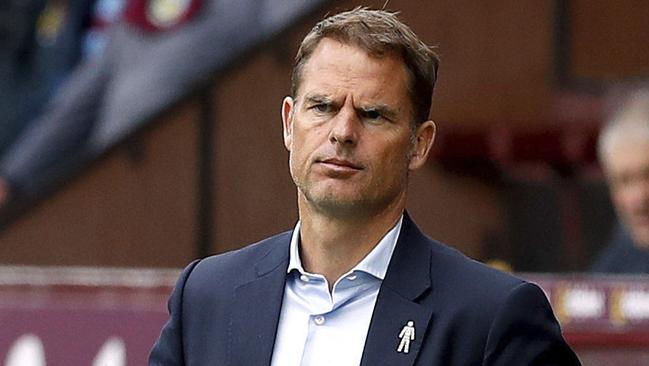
(304, 278)
(351, 277)
(319, 320)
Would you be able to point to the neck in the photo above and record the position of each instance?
(332, 246)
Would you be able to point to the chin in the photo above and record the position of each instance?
(642, 239)
(336, 202)
(340, 205)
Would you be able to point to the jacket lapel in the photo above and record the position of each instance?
(256, 308)
(406, 282)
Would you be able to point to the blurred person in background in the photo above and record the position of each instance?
(18, 20)
(157, 53)
(623, 149)
(41, 44)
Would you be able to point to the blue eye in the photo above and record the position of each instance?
(321, 108)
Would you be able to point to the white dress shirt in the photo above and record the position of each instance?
(321, 328)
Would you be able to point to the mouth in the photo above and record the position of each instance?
(638, 220)
(339, 165)
(641, 219)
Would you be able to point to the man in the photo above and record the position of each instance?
(355, 277)
(624, 156)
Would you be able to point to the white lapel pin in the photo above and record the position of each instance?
(407, 334)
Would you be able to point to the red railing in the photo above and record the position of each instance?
(85, 316)
(605, 318)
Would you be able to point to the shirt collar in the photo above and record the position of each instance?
(375, 262)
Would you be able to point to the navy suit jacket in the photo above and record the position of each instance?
(225, 309)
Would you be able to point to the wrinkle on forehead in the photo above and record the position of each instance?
(339, 71)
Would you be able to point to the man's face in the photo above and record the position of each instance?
(627, 169)
(349, 131)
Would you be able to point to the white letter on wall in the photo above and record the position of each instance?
(112, 353)
(28, 350)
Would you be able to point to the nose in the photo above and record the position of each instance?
(635, 194)
(344, 128)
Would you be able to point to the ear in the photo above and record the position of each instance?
(424, 138)
(287, 121)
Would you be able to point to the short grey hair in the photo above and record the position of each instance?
(630, 124)
(378, 32)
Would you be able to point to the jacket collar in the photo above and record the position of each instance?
(256, 306)
(410, 260)
(407, 282)
(257, 303)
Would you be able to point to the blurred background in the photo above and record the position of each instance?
(142, 134)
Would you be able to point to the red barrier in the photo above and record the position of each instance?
(79, 316)
(605, 318)
(111, 317)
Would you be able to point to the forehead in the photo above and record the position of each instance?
(627, 158)
(341, 68)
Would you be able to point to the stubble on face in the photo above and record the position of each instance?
(350, 82)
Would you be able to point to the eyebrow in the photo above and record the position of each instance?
(317, 99)
(381, 109)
